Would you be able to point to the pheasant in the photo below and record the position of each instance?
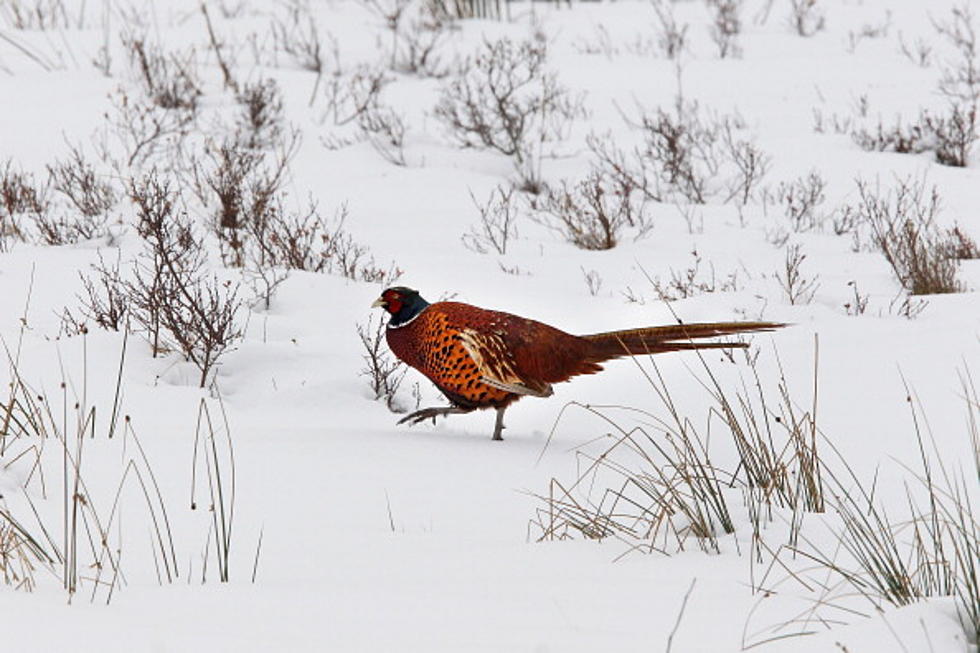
(487, 359)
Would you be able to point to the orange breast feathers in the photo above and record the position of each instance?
(488, 358)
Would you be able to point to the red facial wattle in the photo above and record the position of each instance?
(393, 303)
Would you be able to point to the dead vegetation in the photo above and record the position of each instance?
(726, 26)
(20, 195)
(593, 213)
(951, 131)
(384, 129)
(41, 15)
(58, 525)
(461, 9)
(654, 486)
(418, 32)
(686, 155)
(652, 483)
(497, 225)
(176, 303)
(78, 181)
(797, 286)
(297, 35)
(77, 211)
(138, 134)
(800, 200)
(384, 372)
(672, 37)
(901, 224)
(80, 548)
(505, 99)
(169, 80)
(806, 17)
(262, 116)
(693, 281)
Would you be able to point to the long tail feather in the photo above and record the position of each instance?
(660, 339)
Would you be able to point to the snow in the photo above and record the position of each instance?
(377, 537)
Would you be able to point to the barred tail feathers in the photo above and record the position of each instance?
(660, 339)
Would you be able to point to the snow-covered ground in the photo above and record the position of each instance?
(350, 533)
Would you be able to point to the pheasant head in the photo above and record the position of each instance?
(404, 304)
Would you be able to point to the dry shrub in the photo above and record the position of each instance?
(417, 30)
(919, 53)
(806, 18)
(955, 133)
(258, 233)
(84, 213)
(800, 200)
(960, 80)
(691, 282)
(146, 129)
(262, 114)
(105, 301)
(351, 93)
(419, 41)
(384, 128)
(951, 132)
(354, 97)
(68, 229)
(962, 245)
(237, 183)
(904, 139)
(176, 302)
(686, 155)
(726, 26)
(169, 297)
(497, 225)
(902, 226)
(949, 137)
(671, 36)
(298, 36)
(305, 240)
(78, 181)
(169, 80)
(870, 31)
(19, 195)
(593, 212)
(383, 371)
(504, 99)
(796, 286)
(145, 134)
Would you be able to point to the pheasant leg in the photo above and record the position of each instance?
(434, 412)
(499, 425)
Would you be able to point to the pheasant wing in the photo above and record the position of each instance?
(497, 365)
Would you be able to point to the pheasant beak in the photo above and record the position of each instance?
(380, 301)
